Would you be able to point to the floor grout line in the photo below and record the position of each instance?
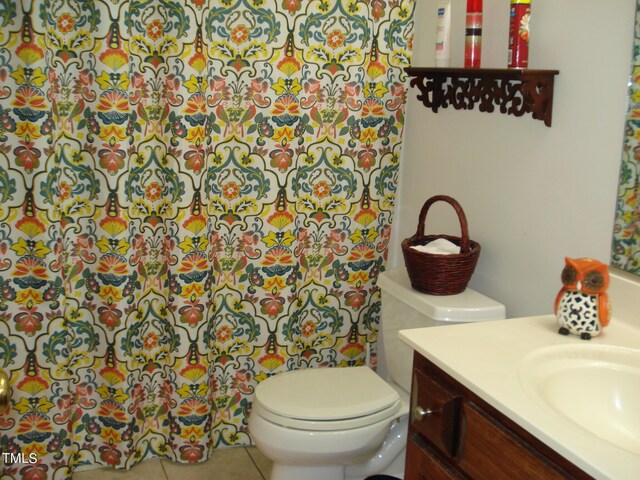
(254, 463)
(164, 470)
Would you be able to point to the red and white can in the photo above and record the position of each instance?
(519, 33)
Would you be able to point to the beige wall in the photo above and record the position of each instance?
(532, 194)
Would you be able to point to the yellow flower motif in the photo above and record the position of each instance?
(40, 449)
(19, 75)
(190, 244)
(196, 84)
(279, 238)
(196, 135)
(289, 66)
(35, 78)
(198, 62)
(113, 225)
(114, 59)
(287, 239)
(364, 235)
(110, 294)
(118, 81)
(358, 278)
(365, 217)
(104, 80)
(28, 131)
(122, 247)
(117, 395)
(192, 431)
(110, 435)
(280, 86)
(353, 6)
(106, 246)
(368, 136)
(195, 224)
(324, 6)
(271, 361)
(26, 405)
(284, 135)
(24, 247)
(29, 297)
(376, 89)
(193, 373)
(261, 376)
(275, 283)
(103, 391)
(270, 240)
(192, 390)
(280, 219)
(192, 290)
(32, 386)
(23, 406)
(103, 245)
(287, 86)
(112, 131)
(30, 53)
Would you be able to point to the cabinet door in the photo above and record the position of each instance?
(422, 464)
(435, 413)
(489, 451)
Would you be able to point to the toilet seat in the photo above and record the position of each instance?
(326, 399)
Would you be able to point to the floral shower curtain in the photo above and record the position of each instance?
(625, 252)
(194, 195)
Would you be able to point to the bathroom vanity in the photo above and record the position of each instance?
(513, 399)
(454, 434)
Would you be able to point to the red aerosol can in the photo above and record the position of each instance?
(473, 34)
(519, 34)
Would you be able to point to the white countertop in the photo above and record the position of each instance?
(485, 357)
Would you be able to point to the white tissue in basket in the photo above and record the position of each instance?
(439, 246)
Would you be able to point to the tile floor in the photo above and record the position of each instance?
(240, 463)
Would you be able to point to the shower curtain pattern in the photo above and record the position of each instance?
(625, 251)
(194, 195)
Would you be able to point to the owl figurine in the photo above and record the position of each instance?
(582, 304)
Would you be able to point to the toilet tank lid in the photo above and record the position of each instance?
(326, 393)
(466, 307)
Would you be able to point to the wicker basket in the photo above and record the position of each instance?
(440, 274)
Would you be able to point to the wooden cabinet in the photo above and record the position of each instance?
(454, 434)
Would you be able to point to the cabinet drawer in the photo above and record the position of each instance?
(435, 413)
(487, 450)
(422, 464)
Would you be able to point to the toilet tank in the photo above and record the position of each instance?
(403, 307)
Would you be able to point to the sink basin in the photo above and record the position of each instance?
(596, 387)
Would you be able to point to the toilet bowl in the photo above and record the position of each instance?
(350, 423)
(312, 431)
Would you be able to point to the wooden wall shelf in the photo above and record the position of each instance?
(512, 91)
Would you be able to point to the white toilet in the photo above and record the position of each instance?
(349, 423)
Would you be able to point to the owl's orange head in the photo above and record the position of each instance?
(586, 275)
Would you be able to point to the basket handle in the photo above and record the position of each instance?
(464, 230)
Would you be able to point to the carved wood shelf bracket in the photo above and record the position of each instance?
(512, 91)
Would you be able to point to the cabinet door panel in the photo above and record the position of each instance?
(440, 422)
(489, 451)
(423, 465)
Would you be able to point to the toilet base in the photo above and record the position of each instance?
(297, 472)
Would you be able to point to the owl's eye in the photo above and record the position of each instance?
(569, 275)
(594, 280)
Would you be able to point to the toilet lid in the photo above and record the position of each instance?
(327, 397)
